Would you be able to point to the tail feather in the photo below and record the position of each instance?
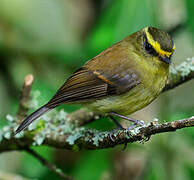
(31, 118)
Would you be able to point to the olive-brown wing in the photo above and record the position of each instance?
(85, 85)
(112, 72)
(81, 86)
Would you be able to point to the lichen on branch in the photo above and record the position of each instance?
(180, 74)
(62, 130)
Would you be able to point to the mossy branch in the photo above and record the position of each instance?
(66, 131)
(180, 74)
(93, 139)
(21, 114)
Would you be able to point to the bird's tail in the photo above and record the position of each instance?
(32, 117)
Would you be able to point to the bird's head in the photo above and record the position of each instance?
(156, 43)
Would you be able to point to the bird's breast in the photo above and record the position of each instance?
(135, 99)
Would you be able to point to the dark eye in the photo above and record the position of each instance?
(149, 48)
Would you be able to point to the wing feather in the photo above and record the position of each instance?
(102, 76)
(82, 86)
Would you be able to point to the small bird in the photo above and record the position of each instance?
(120, 80)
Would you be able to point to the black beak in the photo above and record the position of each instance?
(166, 59)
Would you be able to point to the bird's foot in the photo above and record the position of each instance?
(128, 131)
(137, 123)
(120, 127)
(111, 135)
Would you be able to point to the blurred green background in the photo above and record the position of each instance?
(51, 39)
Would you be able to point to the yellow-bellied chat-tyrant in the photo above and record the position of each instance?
(120, 80)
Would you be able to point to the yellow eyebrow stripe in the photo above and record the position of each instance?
(156, 45)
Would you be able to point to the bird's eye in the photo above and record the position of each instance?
(149, 49)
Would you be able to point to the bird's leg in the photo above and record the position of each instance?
(136, 122)
(119, 127)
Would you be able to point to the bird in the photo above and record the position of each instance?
(120, 80)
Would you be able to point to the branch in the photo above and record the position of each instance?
(82, 117)
(49, 165)
(64, 131)
(100, 140)
(22, 113)
(25, 98)
(92, 139)
(180, 74)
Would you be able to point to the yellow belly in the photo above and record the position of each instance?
(127, 103)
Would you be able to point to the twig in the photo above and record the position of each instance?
(49, 165)
(25, 97)
(91, 139)
(82, 117)
(88, 138)
(183, 73)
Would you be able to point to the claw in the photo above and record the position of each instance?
(113, 131)
(141, 123)
(119, 126)
(111, 137)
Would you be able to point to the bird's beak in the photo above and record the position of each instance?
(166, 59)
